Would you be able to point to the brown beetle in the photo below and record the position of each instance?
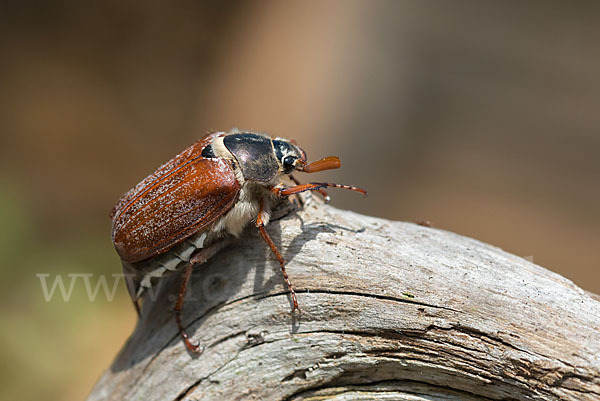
(176, 217)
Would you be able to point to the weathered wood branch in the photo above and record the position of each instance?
(390, 310)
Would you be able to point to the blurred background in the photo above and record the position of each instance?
(481, 117)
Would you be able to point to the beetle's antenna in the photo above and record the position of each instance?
(326, 163)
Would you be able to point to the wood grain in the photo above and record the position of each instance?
(389, 311)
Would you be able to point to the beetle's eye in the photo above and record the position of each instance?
(288, 163)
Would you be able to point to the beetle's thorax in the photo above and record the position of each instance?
(219, 150)
(251, 155)
(256, 161)
(245, 209)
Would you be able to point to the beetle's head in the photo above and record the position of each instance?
(289, 155)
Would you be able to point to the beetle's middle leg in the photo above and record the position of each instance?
(263, 232)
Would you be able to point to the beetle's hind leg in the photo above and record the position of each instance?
(195, 348)
(133, 281)
(199, 257)
(260, 224)
(137, 306)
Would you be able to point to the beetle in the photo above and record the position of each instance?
(178, 217)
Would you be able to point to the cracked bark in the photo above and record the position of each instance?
(389, 310)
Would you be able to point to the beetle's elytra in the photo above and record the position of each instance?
(177, 217)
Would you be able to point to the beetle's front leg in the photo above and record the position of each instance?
(324, 194)
(312, 186)
(260, 224)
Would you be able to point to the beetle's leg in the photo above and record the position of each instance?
(261, 228)
(198, 257)
(313, 186)
(135, 299)
(300, 200)
(195, 348)
(136, 305)
(132, 281)
(323, 193)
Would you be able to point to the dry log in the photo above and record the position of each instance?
(389, 310)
